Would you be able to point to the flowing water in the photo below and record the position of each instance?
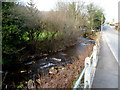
(27, 70)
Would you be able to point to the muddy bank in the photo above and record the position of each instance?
(65, 78)
(51, 71)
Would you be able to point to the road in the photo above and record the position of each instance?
(111, 37)
(106, 75)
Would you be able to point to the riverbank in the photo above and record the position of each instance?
(50, 71)
(65, 78)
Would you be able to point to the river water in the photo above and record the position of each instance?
(27, 70)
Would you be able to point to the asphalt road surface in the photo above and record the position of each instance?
(111, 37)
(106, 75)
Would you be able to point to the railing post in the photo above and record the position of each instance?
(94, 56)
(87, 76)
(94, 63)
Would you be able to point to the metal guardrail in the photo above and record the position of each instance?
(89, 69)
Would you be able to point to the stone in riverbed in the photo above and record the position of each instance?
(23, 71)
(52, 70)
(38, 81)
(30, 84)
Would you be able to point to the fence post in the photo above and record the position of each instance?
(87, 76)
(94, 56)
(98, 46)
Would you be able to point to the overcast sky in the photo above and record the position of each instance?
(110, 7)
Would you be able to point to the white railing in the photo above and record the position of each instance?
(89, 69)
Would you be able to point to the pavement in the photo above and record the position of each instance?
(106, 75)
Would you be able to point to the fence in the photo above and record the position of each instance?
(89, 69)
